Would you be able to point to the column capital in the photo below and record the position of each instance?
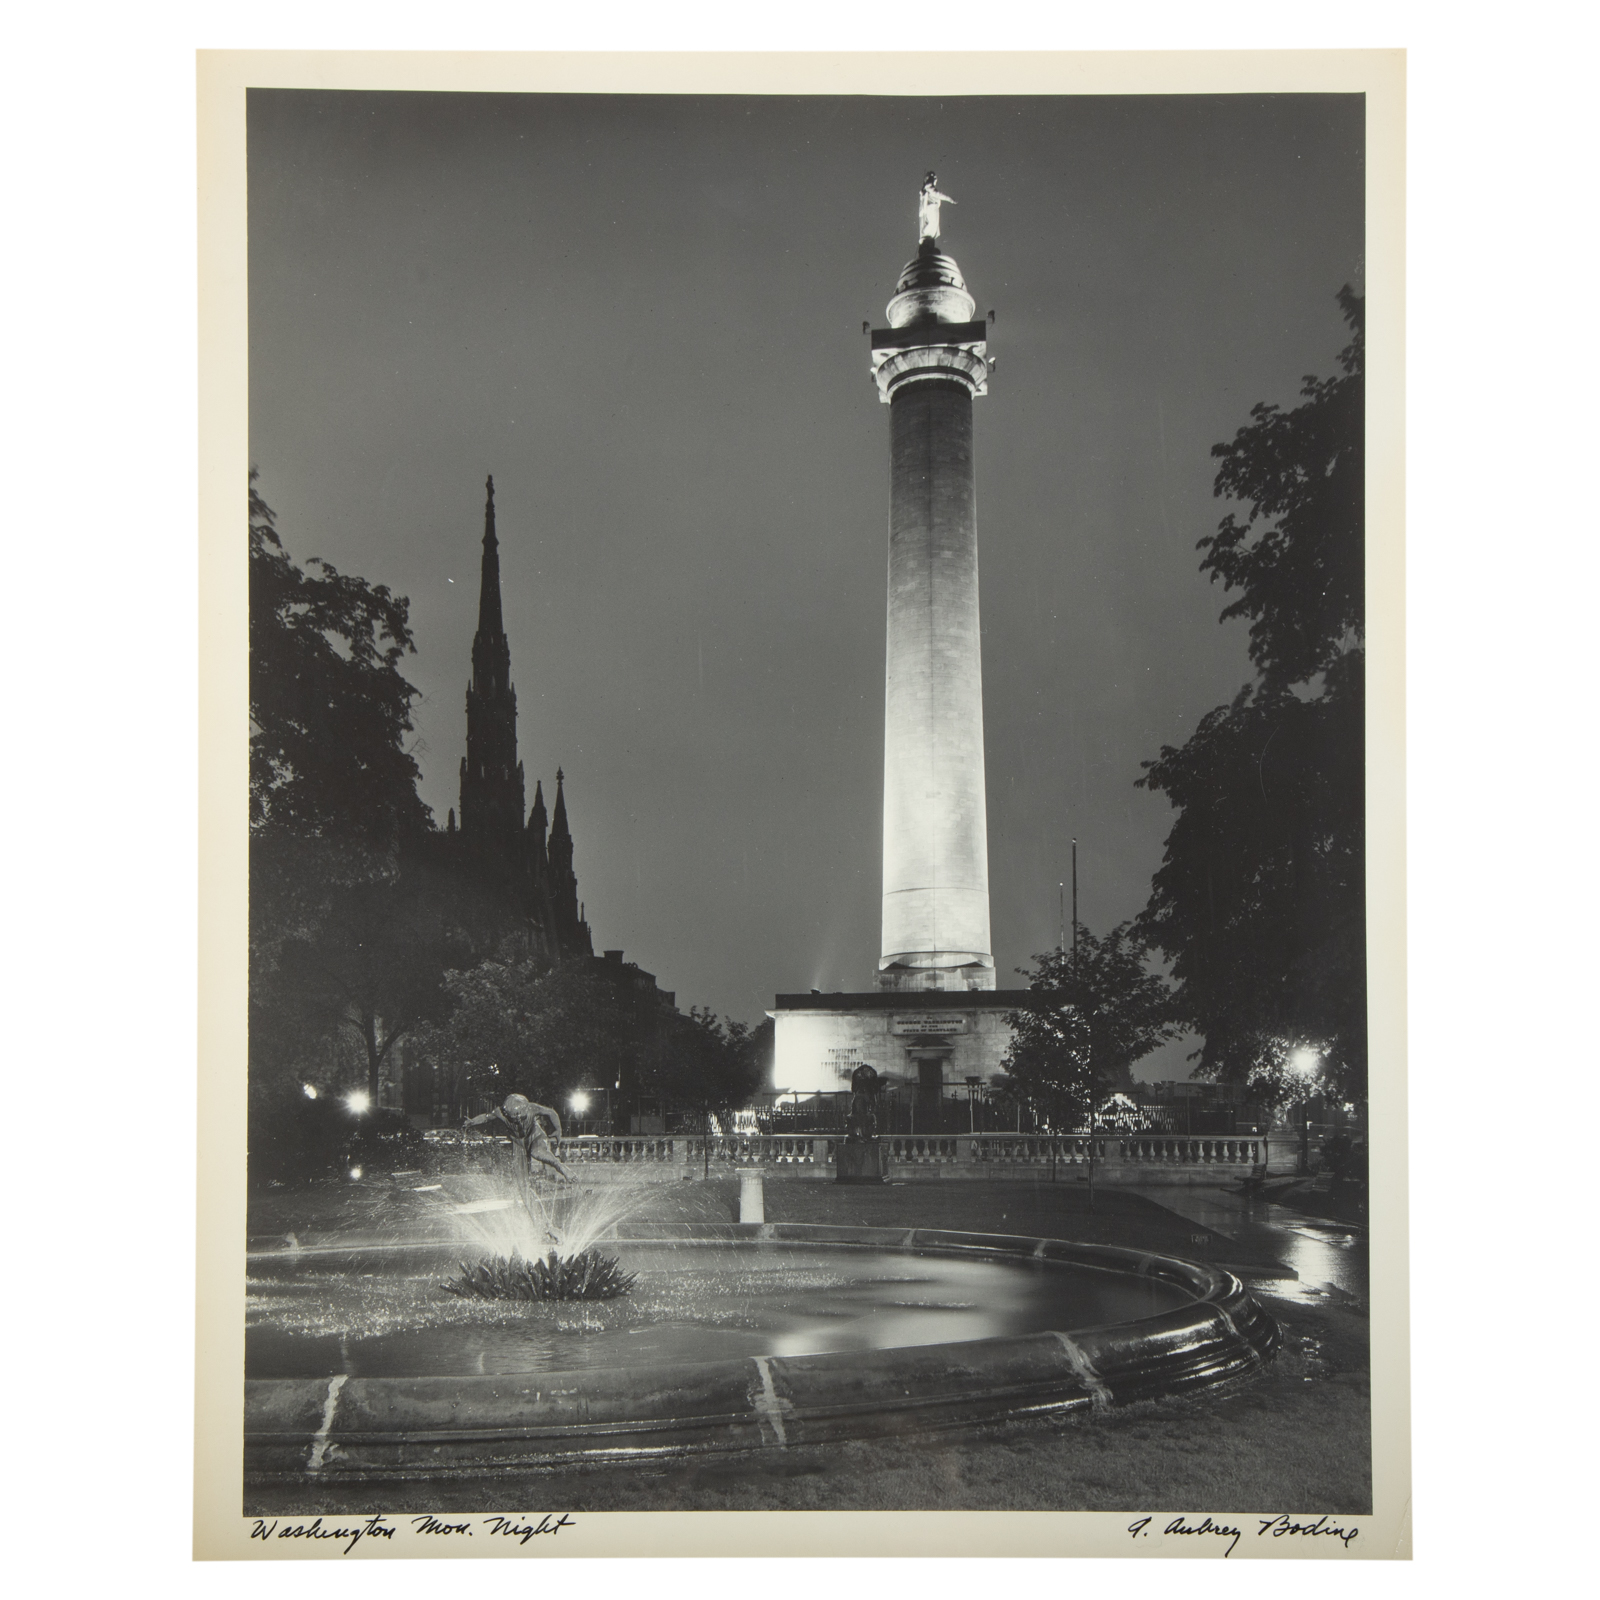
(953, 352)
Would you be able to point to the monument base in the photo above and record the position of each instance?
(915, 1040)
(860, 1161)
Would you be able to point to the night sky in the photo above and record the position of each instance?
(643, 316)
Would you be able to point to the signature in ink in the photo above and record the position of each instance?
(1270, 1527)
(1277, 1527)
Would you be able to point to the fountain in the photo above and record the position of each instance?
(589, 1276)
(717, 1335)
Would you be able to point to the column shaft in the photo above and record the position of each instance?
(935, 838)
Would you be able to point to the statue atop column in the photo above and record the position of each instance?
(928, 203)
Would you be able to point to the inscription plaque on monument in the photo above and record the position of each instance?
(921, 1024)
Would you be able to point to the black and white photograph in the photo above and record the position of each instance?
(814, 810)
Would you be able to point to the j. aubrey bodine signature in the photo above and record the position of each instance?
(1266, 1528)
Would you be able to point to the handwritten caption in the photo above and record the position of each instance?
(520, 1529)
(1266, 1528)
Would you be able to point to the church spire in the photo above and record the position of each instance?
(538, 827)
(491, 775)
(490, 620)
(571, 931)
(558, 824)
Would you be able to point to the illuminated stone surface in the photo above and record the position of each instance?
(929, 363)
(913, 1039)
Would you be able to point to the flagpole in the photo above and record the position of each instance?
(1074, 896)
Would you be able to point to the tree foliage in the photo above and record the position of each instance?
(546, 1032)
(1259, 902)
(1102, 1009)
(374, 965)
(1297, 554)
(346, 950)
(709, 1065)
(329, 709)
(513, 1025)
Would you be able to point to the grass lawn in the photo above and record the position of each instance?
(1297, 1438)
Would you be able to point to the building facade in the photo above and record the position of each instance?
(925, 1040)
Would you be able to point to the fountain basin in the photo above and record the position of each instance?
(794, 1364)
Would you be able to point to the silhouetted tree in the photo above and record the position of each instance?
(702, 1063)
(329, 710)
(1101, 1010)
(1259, 901)
(374, 966)
(540, 1031)
(345, 948)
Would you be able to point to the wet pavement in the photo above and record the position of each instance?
(1328, 1258)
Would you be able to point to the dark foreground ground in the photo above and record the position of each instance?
(1298, 1437)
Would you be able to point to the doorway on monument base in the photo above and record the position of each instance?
(928, 1101)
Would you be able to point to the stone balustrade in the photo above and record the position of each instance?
(1117, 1157)
(763, 1149)
(629, 1148)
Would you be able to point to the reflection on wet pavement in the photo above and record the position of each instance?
(1329, 1258)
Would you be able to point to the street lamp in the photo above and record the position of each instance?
(1303, 1063)
(358, 1100)
(579, 1102)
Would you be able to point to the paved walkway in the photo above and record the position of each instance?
(1329, 1259)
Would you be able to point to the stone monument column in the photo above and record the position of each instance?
(929, 363)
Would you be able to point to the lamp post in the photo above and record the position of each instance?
(1303, 1062)
(578, 1102)
(358, 1102)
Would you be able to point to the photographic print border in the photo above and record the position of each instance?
(220, 1530)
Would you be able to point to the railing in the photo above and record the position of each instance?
(916, 1151)
(1130, 1156)
(1174, 1149)
(1039, 1150)
(761, 1149)
(620, 1148)
(580, 1150)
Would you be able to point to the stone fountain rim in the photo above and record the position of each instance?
(320, 1429)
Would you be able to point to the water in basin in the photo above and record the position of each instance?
(383, 1313)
